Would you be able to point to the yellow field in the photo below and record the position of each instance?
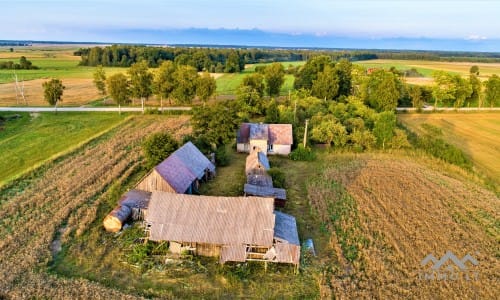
(477, 134)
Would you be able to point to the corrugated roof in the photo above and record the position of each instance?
(194, 160)
(243, 134)
(264, 191)
(213, 220)
(136, 199)
(280, 134)
(259, 131)
(260, 179)
(178, 176)
(285, 228)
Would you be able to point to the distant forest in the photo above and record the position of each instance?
(231, 60)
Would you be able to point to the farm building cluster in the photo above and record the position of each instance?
(234, 229)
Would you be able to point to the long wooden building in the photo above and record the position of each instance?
(232, 228)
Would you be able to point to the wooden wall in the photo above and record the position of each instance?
(154, 182)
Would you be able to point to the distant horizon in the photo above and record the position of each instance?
(460, 25)
(261, 39)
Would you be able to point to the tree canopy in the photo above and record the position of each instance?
(382, 90)
(274, 75)
(100, 80)
(118, 88)
(53, 91)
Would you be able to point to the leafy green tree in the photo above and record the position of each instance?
(216, 124)
(384, 127)
(164, 80)
(463, 90)
(474, 70)
(343, 69)
(382, 90)
(415, 93)
(492, 93)
(476, 87)
(362, 140)
(326, 85)
(100, 80)
(274, 75)
(118, 87)
(141, 81)
(399, 140)
(330, 131)
(186, 79)
(444, 88)
(309, 72)
(205, 87)
(158, 147)
(272, 113)
(233, 63)
(53, 91)
(256, 82)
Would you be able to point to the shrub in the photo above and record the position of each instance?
(222, 157)
(399, 140)
(157, 147)
(362, 140)
(302, 154)
(278, 177)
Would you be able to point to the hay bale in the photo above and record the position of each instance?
(113, 222)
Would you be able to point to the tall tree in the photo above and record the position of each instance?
(53, 91)
(382, 90)
(474, 70)
(205, 87)
(119, 89)
(343, 69)
(256, 82)
(216, 124)
(492, 92)
(444, 88)
(415, 93)
(463, 90)
(186, 78)
(164, 80)
(275, 77)
(384, 127)
(327, 84)
(100, 80)
(476, 87)
(140, 81)
(309, 72)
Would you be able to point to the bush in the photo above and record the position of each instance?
(157, 147)
(362, 140)
(279, 179)
(222, 157)
(302, 154)
(399, 140)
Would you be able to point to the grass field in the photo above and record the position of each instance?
(426, 68)
(477, 134)
(29, 141)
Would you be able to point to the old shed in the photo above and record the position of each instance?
(181, 172)
(130, 206)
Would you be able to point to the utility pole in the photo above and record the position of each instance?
(305, 133)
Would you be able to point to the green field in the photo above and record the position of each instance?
(32, 139)
(227, 84)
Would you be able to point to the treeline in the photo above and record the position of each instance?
(214, 60)
(23, 64)
(447, 56)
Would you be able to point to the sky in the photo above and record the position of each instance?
(111, 20)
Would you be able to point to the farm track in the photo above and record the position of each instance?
(408, 211)
(67, 192)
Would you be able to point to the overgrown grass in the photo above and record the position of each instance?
(32, 139)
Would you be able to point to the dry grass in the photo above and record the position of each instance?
(33, 209)
(477, 134)
(404, 212)
(79, 91)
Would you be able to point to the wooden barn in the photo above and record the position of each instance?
(231, 228)
(272, 138)
(130, 206)
(181, 172)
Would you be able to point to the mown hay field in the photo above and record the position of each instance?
(66, 194)
(426, 68)
(477, 134)
(35, 138)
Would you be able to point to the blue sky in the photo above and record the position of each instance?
(94, 20)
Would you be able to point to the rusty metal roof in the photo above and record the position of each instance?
(259, 131)
(280, 134)
(243, 134)
(213, 220)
